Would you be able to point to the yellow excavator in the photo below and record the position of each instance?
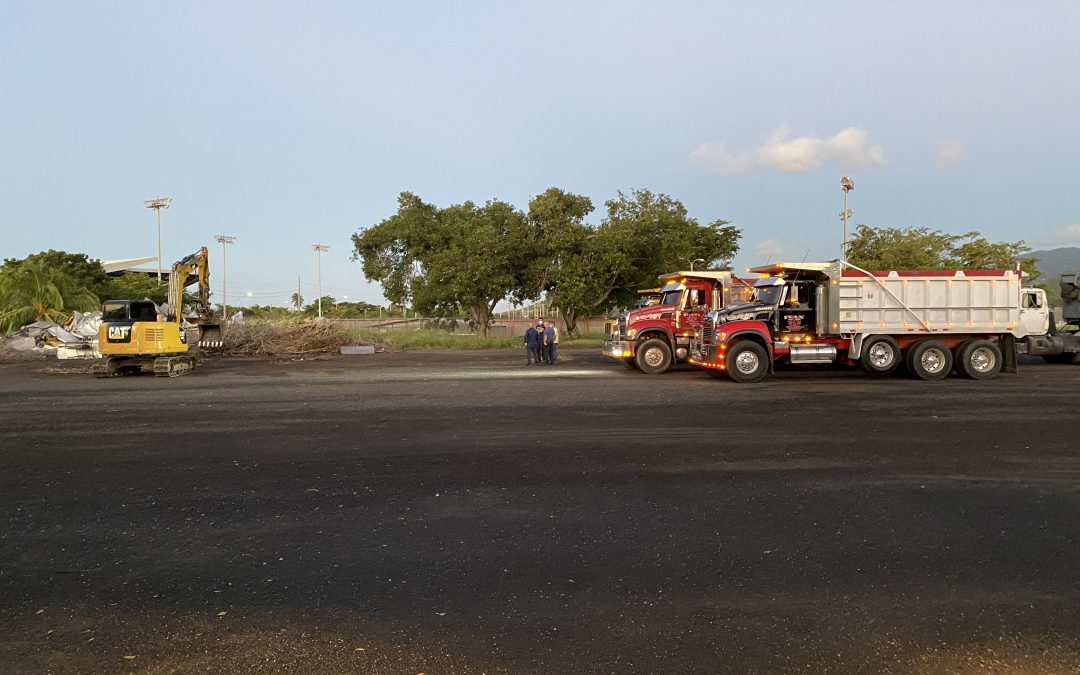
(138, 333)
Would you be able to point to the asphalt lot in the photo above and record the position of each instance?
(459, 513)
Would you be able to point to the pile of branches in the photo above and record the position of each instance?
(285, 340)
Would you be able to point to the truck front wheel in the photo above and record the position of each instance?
(978, 360)
(653, 356)
(747, 362)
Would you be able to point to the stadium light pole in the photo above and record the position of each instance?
(319, 250)
(224, 239)
(847, 185)
(157, 205)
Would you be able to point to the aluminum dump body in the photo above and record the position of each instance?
(931, 302)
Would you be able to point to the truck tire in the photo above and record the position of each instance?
(653, 356)
(930, 360)
(880, 355)
(747, 361)
(978, 360)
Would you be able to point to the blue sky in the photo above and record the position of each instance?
(287, 123)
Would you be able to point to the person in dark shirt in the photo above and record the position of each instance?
(549, 343)
(532, 346)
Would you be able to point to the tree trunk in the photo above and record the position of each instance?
(481, 314)
(570, 319)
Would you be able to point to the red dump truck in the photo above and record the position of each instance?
(654, 337)
(834, 312)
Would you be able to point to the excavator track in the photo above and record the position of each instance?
(173, 366)
(116, 368)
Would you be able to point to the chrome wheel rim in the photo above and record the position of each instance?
(932, 361)
(747, 362)
(881, 355)
(654, 357)
(983, 360)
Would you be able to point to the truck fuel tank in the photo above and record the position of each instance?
(812, 353)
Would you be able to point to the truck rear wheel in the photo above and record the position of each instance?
(880, 355)
(653, 356)
(747, 361)
(930, 360)
(978, 360)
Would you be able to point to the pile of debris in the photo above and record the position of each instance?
(75, 339)
(287, 340)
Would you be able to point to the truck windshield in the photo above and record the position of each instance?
(672, 297)
(767, 295)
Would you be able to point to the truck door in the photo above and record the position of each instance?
(1034, 315)
(797, 308)
(693, 309)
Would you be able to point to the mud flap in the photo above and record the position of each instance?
(1008, 354)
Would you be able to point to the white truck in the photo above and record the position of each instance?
(834, 312)
(1056, 344)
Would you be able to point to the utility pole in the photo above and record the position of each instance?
(319, 250)
(224, 239)
(847, 185)
(157, 205)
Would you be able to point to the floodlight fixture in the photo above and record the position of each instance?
(319, 250)
(158, 204)
(224, 239)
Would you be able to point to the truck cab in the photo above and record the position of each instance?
(653, 338)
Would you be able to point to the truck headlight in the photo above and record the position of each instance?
(631, 332)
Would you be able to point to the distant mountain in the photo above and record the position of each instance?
(1055, 262)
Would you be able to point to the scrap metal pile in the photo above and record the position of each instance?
(76, 338)
(285, 340)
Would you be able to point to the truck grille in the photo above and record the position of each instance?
(708, 330)
(622, 326)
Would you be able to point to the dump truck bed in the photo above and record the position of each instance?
(972, 301)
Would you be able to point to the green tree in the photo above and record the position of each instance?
(643, 236)
(37, 291)
(913, 248)
(296, 301)
(441, 261)
(78, 268)
(313, 309)
(135, 286)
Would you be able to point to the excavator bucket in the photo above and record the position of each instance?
(210, 335)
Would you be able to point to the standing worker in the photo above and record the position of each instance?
(532, 346)
(555, 343)
(549, 342)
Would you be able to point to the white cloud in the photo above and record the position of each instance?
(718, 158)
(848, 149)
(950, 154)
(770, 249)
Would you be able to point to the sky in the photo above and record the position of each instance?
(286, 124)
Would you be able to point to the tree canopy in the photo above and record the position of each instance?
(445, 260)
(35, 291)
(890, 248)
(588, 271)
(80, 269)
(469, 257)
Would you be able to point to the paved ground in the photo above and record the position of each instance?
(448, 513)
